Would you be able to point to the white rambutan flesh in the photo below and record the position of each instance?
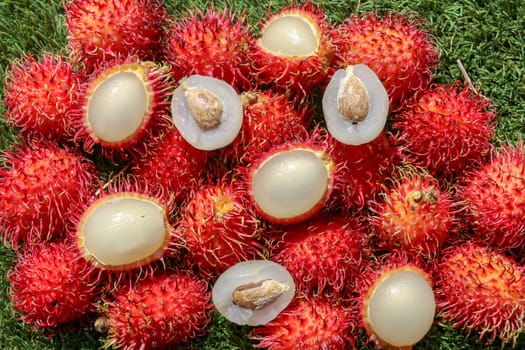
(290, 35)
(401, 308)
(290, 183)
(253, 292)
(355, 105)
(123, 229)
(207, 112)
(117, 107)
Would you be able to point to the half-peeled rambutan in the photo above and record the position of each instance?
(479, 289)
(99, 31)
(446, 129)
(396, 47)
(49, 287)
(158, 312)
(40, 96)
(41, 189)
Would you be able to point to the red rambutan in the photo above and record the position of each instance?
(41, 189)
(479, 289)
(40, 95)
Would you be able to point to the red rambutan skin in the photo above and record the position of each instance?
(309, 324)
(103, 30)
(324, 255)
(156, 120)
(158, 312)
(49, 287)
(219, 227)
(40, 95)
(396, 47)
(41, 188)
(296, 73)
(446, 128)
(494, 197)
(480, 289)
(212, 44)
(414, 214)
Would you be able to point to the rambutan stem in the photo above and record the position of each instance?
(466, 76)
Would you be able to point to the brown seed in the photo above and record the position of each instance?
(205, 107)
(256, 295)
(353, 99)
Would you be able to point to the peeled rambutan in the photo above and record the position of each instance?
(294, 49)
(124, 106)
(158, 312)
(219, 227)
(211, 44)
(41, 188)
(323, 255)
(98, 31)
(396, 302)
(49, 287)
(494, 197)
(479, 289)
(446, 129)
(40, 95)
(413, 214)
(396, 47)
(309, 323)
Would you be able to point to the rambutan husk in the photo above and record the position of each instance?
(50, 288)
(446, 128)
(479, 289)
(98, 31)
(42, 186)
(398, 48)
(40, 95)
(213, 44)
(121, 125)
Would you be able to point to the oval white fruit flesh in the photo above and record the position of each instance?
(247, 272)
(291, 36)
(207, 139)
(290, 183)
(345, 130)
(401, 310)
(117, 107)
(120, 230)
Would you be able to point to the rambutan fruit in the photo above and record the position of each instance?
(413, 214)
(98, 31)
(50, 288)
(41, 188)
(124, 106)
(446, 129)
(308, 324)
(323, 255)
(292, 182)
(494, 197)
(294, 49)
(124, 228)
(396, 302)
(396, 47)
(158, 312)
(219, 227)
(479, 289)
(211, 44)
(40, 95)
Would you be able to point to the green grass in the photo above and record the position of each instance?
(487, 36)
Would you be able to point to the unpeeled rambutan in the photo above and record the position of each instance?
(40, 95)
(494, 196)
(446, 129)
(49, 287)
(98, 31)
(41, 189)
(211, 44)
(397, 48)
(158, 312)
(481, 290)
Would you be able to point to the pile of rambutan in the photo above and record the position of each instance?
(157, 151)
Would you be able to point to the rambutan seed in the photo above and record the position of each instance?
(205, 107)
(256, 295)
